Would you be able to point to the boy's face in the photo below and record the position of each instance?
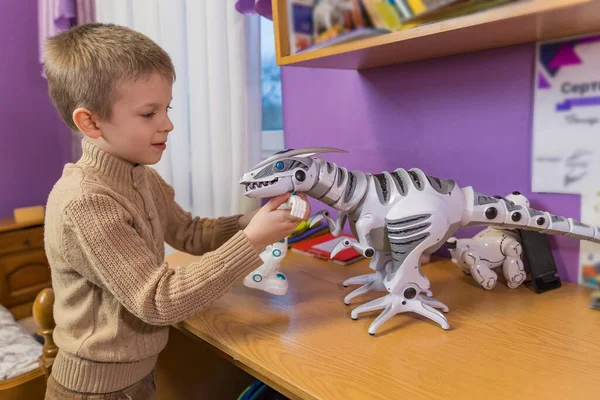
(138, 128)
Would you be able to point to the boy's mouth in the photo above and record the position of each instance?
(160, 146)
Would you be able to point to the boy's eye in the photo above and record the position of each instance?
(148, 115)
(169, 107)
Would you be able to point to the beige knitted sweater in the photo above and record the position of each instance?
(106, 225)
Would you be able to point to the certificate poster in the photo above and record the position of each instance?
(566, 115)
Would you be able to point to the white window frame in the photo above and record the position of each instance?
(272, 142)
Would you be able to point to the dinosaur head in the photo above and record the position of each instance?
(285, 171)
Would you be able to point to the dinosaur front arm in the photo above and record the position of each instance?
(335, 226)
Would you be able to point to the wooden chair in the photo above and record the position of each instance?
(44, 317)
(32, 385)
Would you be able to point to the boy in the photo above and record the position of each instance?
(108, 217)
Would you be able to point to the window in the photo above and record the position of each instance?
(272, 116)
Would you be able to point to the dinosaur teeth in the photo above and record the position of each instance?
(255, 185)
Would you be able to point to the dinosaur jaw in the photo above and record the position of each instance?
(268, 188)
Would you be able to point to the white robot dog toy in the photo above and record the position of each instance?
(267, 277)
(491, 248)
(397, 217)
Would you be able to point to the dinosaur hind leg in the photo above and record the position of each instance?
(409, 235)
(379, 259)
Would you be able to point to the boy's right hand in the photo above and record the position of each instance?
(270, 225)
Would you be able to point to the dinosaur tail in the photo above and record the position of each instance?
(497, 211)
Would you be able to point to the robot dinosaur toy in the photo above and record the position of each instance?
(397, 217)
(491, 248)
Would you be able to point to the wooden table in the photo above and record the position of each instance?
(502, 344)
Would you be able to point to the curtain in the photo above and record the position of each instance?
(216, 97)
(54, 17)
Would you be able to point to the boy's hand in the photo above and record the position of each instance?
(245, 219)
(270, 225)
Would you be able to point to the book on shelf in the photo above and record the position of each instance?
(413, 9)
(315, 24)
(322, 246)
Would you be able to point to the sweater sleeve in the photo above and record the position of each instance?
(118, 257)
(193, 235)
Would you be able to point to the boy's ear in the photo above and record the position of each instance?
(87, 123)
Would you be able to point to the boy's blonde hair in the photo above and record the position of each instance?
(86, 64)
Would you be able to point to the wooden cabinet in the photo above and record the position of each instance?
(24, 269)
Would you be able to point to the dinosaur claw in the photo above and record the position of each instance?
(342, 244)
(366, 251)
(317, 217)
(312, 221)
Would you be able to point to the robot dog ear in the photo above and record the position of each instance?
(305, 152)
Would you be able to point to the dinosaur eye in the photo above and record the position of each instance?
(279, 165)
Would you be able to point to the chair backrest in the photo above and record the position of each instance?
(44, 317)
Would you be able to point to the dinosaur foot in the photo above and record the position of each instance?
(406, 301)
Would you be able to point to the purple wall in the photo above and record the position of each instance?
(35, 143)
(464, 117)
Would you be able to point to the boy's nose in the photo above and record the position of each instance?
(168, 126)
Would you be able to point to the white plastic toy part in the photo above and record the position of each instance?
(267, 277)
(489, 249)
(297, 205)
